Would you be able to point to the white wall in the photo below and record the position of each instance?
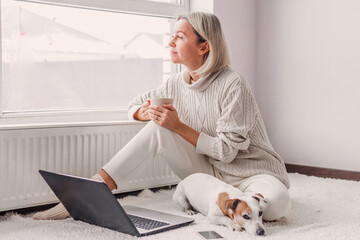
(302, 59)
(308, 80)
(237, 19)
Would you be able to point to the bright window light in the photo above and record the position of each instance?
(57, 58)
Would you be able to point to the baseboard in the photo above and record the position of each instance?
(323, 172)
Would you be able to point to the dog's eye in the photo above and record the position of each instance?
(260, 213)
(246, 217)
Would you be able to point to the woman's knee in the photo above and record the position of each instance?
(279, 205)
(158, 130)
(278, 196)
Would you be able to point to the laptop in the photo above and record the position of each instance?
(92, 201)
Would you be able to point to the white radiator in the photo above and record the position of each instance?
(80, 151)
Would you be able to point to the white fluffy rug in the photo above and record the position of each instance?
(321, 209)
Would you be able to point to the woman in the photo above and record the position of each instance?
(214, 125)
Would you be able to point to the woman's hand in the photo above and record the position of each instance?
(165, 116)
(142, 112)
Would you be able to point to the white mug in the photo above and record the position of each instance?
(161, 101)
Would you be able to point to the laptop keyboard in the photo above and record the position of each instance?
(145, 223)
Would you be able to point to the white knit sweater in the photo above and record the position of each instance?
(222, 108)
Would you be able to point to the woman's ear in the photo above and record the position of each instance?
(204, 48)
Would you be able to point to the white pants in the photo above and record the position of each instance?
(155, 141)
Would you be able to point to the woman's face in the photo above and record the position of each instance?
(185, 48)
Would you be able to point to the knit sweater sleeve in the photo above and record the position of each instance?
(238, 117)
(160, 92)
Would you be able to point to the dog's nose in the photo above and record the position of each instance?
(260, 232)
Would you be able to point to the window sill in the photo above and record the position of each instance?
(15, 121)
(4, 127)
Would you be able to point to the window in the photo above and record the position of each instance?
(95, 56)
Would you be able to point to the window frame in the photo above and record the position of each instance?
(10, 120)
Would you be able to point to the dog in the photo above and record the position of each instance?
(222, 203)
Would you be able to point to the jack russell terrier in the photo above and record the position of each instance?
(223, 203)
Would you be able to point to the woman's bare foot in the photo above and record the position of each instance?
(59, 212)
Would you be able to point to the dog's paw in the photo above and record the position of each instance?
(236, 228)
(190, 212)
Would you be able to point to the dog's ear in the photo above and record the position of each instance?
(230, 207)
(230, 213)
(258, 197)
(226, 205)
(235, 203)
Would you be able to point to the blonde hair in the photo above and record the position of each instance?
(207, 27)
